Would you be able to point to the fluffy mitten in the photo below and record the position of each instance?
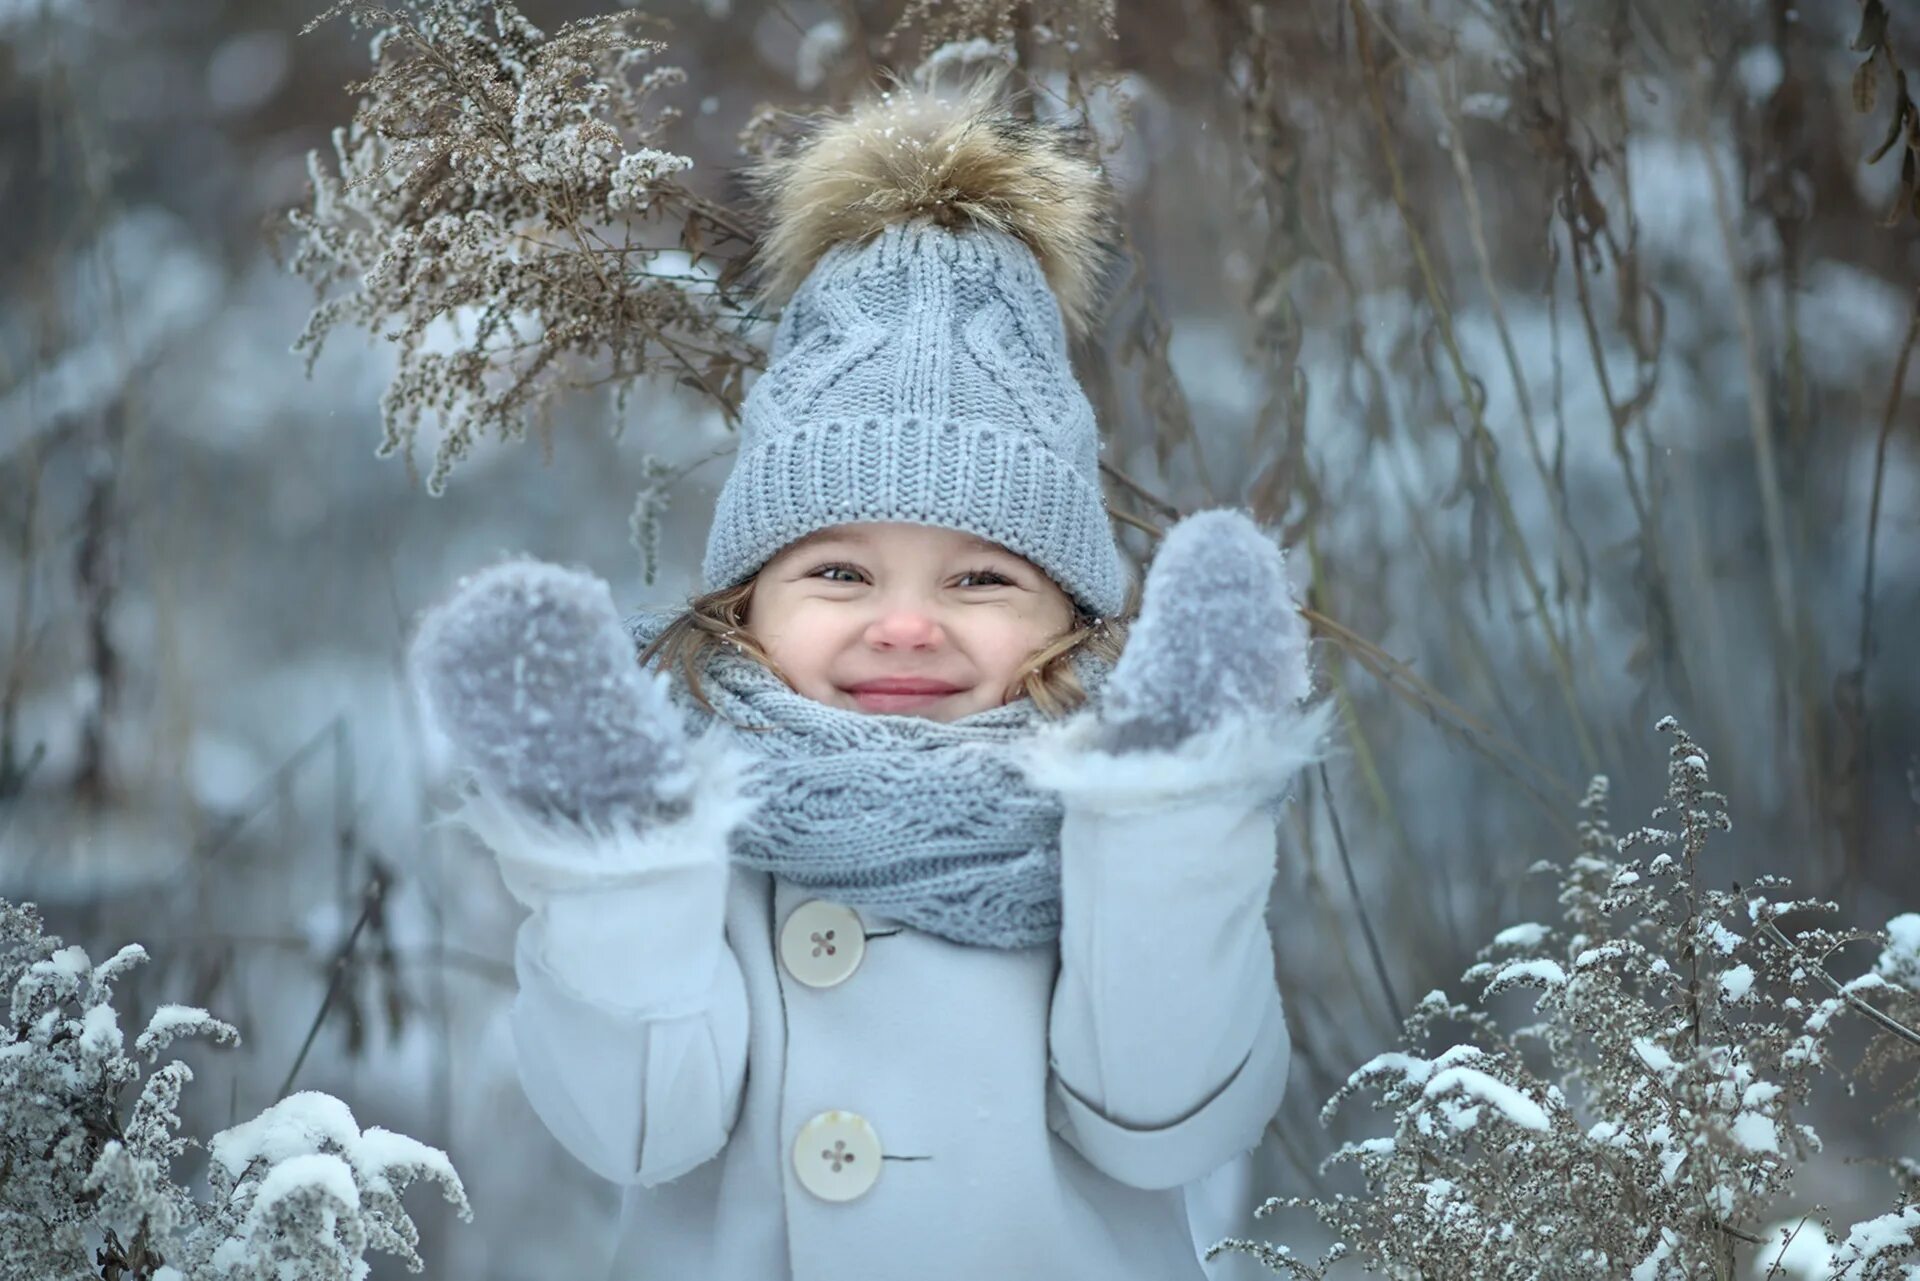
(528, 670)
(1219, 638)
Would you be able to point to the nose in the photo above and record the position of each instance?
(905, 626)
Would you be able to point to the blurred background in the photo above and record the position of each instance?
(1566, 340)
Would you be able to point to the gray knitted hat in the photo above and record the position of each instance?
(936, 250)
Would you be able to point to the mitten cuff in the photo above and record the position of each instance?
(545, 853)
(1245, 758)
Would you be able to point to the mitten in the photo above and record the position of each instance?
(1219, 639)
(607, 821)
(1207, 699)
(528, 671)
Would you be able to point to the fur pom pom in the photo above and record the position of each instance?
(958, 156)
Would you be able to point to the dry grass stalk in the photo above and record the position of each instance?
(512, 188)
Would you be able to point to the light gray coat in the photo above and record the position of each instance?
(1075, 1112)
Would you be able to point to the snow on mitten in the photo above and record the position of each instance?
(1219, 639)
(529, 671)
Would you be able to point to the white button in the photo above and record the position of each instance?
(837, 1156)
(822, 942)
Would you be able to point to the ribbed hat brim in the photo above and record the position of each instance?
(1001, 484)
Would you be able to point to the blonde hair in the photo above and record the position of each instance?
(719, 618)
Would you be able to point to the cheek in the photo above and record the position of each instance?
(794, 636)
(1009, 639)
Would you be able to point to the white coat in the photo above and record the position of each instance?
(1079, 1112)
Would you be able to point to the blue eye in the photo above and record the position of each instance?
(997, 578)
(830, 569)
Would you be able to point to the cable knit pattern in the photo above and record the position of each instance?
(923, 377)
(928, 821)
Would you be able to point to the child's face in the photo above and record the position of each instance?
(913, 620)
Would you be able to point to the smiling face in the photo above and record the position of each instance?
(912, 620)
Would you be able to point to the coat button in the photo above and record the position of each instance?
(837, 1156)
(822, 942)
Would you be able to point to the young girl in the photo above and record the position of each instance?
(890, 920)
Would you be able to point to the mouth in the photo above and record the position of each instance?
(899, 693)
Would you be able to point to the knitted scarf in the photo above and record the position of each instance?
(927, 821)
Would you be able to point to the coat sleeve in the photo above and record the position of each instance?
(1168, 1046)
(640, 1083)
(630, 1025)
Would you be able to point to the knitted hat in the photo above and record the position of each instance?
(936, 247)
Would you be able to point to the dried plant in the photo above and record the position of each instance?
(515, 186)
(1071, 24)
(1903, 119)
(86, 1182)
(1656, 1128)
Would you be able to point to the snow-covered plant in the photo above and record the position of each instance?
(87, 1189)
(516, 187)
(1656, 1129)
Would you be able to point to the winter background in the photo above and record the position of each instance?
(1567, 341)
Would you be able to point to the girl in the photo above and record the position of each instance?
(890, 920)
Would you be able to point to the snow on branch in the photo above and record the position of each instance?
(504, 208)
(86, 1181)
(1642, 1119)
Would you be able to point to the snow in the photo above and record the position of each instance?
(119, 963)
(1899, 962)
(316, 1170)
(100, 1030)
(171, 1022)
(1872, 1238)
(1654, 1056)
(1864, 983)
(1412, 1067)
(1822, 1014)
(1653, 1267)
(1723, 939)
(314, 1134)
(1531, 934)
(1756, 1133)
(1605, 952)
(1800, 1248)
(1511, 1103)
(297, 1125)
(1659, 1140)
(68, 962)
(1545, 972)
(1438, 1192)
(1736, 983)
(380, 1151)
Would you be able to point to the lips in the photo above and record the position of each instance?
(899, 693)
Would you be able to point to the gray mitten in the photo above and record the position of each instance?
(1219, 639)
(528, 670)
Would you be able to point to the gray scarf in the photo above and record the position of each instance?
(927, 821)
